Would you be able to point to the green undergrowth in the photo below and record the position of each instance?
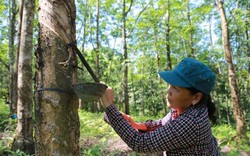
(226, 136)
(93, 126)
(94, 133)
(7, 129)
(96, 136)
(4, 109)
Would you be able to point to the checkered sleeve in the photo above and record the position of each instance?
(153, 125)
(181, 133)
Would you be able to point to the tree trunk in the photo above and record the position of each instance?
(12, 76)
(169, 64)
(133, 87)
(143, 98)
(248, 49)
(14, 85)
(24, 132)
(13, 96)
(228, 111)
(56, 109)
(97, 49)
(167, 31)
(125, 54)
(82, 105)
(192, 54)
(238, 113)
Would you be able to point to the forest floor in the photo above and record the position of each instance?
(118, 147)
(115, 146)
(99, 139)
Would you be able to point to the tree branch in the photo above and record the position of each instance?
(5, 64)
(233, 13)
(131, 2)
(138, 18)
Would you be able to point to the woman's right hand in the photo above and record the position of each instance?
(107, 98)
(138, 126)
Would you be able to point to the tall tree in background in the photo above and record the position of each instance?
(12, 72)
(238, 112)
(84, 24)
(125, 54)
(56, 106)
(247, 25)
(169, 62)
(97, 49)
(167, 32)
(24, 132)
(190, 39)
(13, 104)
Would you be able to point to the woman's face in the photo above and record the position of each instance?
(179, 98)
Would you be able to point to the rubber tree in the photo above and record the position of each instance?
(238, 112)
(12, 74)
(56, 105)
(24, 131)
(125, 54)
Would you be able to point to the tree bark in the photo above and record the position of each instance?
(167, 31)
(238, 113)
(190, 42)
(247, 24)
(24, 132)
(56, 105)
(125, 54)
(97, 49)
(169, 63)
(83, 105)
(13, 84)
(12, 76)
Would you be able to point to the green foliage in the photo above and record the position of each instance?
(226, 136)
(94, 129)
(95, 135)
(7, 130)
(4, 109)
(6, 123)
(93, 125)
(146, 42)
(5, 151)
(95, 150)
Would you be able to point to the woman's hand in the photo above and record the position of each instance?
(107, 98)
(138, 126)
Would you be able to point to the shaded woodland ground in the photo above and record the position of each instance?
(98, 138)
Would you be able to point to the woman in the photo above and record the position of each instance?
(186, 129)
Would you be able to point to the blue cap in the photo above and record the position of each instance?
(190, 73)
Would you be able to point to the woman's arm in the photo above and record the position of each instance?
(181, 133)
(149, 125)
(136, 125)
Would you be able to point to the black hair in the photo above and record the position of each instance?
(206, 99)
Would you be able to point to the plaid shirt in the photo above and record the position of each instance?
(188, 134)
(153, 125)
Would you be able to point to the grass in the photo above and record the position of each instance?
(4, 109)
(96, 134)
(226, 136)
(95, 127)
